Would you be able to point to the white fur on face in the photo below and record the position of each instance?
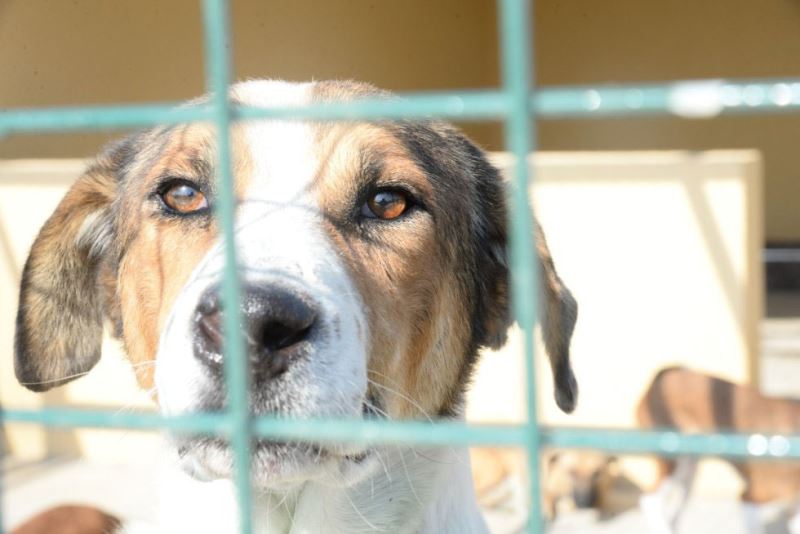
(280, 241)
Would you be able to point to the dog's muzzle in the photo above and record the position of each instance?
(278, 326)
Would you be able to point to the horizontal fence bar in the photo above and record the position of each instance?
(689, 99)
(66, 119)
(666, 442)
(374, 431)
(380, 431)
(698, 99)
(200, 423)
(472, 105)
(671, 443)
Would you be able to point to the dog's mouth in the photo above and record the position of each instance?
(279, 464)
(274, 464)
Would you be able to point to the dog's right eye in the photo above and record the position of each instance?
(183, 197)
(386, 204)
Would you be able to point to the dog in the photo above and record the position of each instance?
(574, 479)
(571, 480)
(70, 519)
(373, 265)
(690, 401)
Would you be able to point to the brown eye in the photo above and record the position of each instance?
(386, 205)
(184, 198)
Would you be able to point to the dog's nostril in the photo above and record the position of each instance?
(210, 327)
(277, 335)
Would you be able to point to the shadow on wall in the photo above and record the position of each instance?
(696, 185)
(713, 238)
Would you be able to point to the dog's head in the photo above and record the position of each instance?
(571, 478)
(372, 264)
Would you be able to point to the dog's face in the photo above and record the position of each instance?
(574, 477)
(371, 259)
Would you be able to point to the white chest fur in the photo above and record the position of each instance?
(415, 490)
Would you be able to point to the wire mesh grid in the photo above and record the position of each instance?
(516, 102)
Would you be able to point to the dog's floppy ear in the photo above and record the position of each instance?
(558, 310)
(61, 306)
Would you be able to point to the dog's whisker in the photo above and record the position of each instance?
(457, 458)
(53, 380)
(403, 396)
(384, 376)
(451, 449)
(375, 450)
(408, 477)
(72, 376)
(289, 513)
(123, 434)
(143, 363)
(361, 515)
(384, 466)
(275, 508)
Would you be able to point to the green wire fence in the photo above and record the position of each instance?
(515, 103)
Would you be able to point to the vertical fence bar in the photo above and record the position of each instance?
(218, 66)
(516, 70)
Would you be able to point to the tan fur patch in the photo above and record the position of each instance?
(399, 271)
(162, 253)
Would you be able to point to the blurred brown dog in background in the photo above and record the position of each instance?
(571, 479)
(690, 401)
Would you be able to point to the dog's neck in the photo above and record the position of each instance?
(414, 490)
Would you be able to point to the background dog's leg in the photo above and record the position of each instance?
(752, 518)
(683, 477)
(651, 503)
(793, 524)
(663, 507)
(652, 507)
(751, 500)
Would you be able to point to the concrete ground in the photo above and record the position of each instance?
(704, 516)
(125, 490)
(28, 488)
(31, 488)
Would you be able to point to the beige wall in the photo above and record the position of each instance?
(98, 51)
(54, 52)
(661, 252)
(85, 51)
(582, 41)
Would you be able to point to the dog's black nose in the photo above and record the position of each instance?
(277, 325)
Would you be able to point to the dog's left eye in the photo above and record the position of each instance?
(386, 204)
(183, 197)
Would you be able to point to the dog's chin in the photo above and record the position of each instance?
(277, 466)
